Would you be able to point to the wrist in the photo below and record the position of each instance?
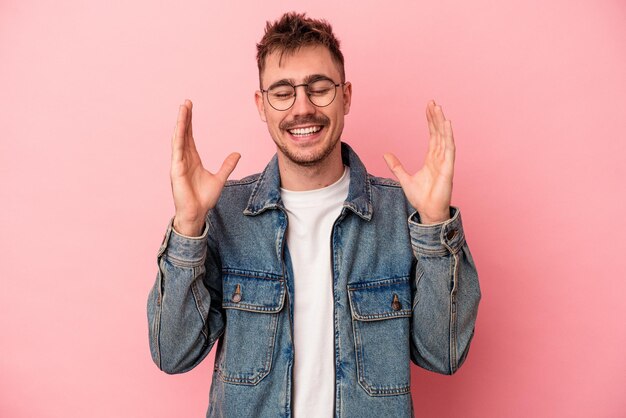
(188, 228)
(436, 219)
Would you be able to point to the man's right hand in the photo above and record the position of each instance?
(195, 189)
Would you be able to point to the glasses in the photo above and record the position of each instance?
(320, 92)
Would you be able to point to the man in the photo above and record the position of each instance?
(309, 277)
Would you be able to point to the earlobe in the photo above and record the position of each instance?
(347, 97)
(260, 105)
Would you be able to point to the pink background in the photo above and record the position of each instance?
(88, 98)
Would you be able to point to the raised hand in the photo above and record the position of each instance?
(430, 189)
(195, 189)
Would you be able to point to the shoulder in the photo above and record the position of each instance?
(387, 194)
(235, 194)
(383, 182)
(246, 181)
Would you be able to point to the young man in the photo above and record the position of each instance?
(318, 282)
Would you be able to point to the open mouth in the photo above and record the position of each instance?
(304, 132)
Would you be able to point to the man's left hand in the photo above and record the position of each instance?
(430, 189)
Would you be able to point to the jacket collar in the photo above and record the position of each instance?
(266, 193)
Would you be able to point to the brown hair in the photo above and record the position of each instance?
(294, 31)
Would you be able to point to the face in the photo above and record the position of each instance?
(304, 134)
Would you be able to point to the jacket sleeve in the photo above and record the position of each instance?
(185, 315)
(446, 294)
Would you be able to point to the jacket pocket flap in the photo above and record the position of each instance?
(381, 299)
(253, 293)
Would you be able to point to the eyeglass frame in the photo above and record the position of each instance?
(306, 91)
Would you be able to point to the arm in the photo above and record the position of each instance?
(446, 294)
(445, 290)
(184, 307)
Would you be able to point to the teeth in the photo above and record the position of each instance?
(305, 131)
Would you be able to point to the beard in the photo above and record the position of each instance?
(304, 157)
(310, 158)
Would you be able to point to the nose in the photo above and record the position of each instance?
(302, 104)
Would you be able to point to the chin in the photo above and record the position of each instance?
(308, 157)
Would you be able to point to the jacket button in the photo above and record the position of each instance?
(236, 297)
(451, 234)
(396, 305)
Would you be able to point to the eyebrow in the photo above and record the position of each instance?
(308, 79)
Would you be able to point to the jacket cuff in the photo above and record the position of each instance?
(190, 250)
(437, 239)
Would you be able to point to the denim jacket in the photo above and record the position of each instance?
(402, 292)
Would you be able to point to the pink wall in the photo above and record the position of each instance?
(88, 99)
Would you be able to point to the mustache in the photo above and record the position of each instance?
(306, 119)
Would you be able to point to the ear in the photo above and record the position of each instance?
(260, 104)
(347, 97)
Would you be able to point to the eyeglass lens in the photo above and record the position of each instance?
(320, 92)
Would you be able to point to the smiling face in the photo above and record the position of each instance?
(304, 134)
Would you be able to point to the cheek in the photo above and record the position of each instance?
(339, 117)
(274, 123)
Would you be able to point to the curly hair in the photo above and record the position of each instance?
(294, 31)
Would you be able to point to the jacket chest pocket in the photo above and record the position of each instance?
(381, 313)
(252, 305)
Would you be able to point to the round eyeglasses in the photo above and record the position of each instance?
(320, 92)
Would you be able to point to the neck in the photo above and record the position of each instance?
(296, 177)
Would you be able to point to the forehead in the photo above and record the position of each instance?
(297, 65)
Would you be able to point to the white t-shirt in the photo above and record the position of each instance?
(311, 216)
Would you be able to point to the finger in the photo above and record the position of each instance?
(432, 142)
(189, 106)
(430, 117)
(191, 149)
(228, 166)
(439, 118)
(450, 148)
(190, 141)
(396, 168)
(436, 144)
(178, 139)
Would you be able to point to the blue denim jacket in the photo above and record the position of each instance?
(402, 291)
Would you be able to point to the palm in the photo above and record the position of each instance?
(195, 189)
(430, 189)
